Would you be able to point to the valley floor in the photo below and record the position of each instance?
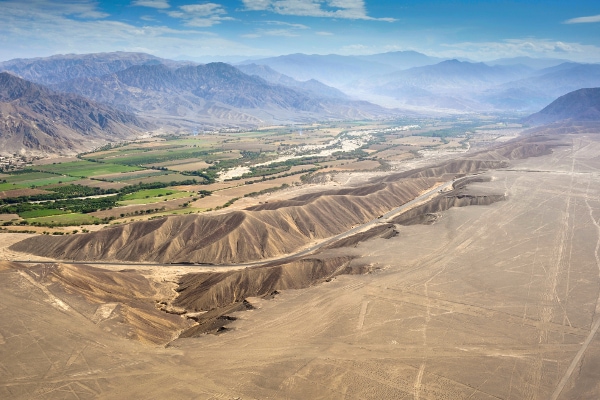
(488, 302)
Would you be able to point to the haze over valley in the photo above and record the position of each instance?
(299, 200)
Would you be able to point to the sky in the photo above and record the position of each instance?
(242, 29)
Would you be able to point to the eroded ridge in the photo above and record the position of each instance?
(272, 229)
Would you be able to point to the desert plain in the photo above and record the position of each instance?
(490, 290)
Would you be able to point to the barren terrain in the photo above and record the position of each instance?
(488, 291)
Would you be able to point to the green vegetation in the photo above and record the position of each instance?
(26, 175)
(152, 196)
(27, 179)
(152, 157)
(42, 212)
(68, 205)
(85, 169)
(456, 130)
(144, 194)
(133, 176)
(64, 220)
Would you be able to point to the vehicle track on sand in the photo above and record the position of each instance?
(567, 375)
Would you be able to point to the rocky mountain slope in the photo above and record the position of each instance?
(60, 68)
(35, 119)
(311, 86)
(581, 105)
(213, 94)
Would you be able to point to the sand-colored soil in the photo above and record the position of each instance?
(21, 192)
(496, 301)
(271, 229)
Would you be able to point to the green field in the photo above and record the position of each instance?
(45, 212)
(152, 196)
(28, 182)
(155, 156)
(11, 186)
(85, 169)
(27, 176)
(129, 177)
(65, 219)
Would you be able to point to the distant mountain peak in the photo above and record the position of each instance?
(579, 105)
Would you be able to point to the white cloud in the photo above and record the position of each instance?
(160, 4)
(280, 33)
(294, 26)
(583, 20)
(257, 5)
(345, 9)
(201, 15)
(271, 32)
(531, 47)
(323, 33)
(85, 9)
(37, 29)
(288, 30)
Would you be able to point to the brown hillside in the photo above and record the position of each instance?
(123, 302)
(272, 229)
(35, 119)
(239, 236)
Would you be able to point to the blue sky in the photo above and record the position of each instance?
(477, 30)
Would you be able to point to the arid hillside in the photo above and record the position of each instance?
(38, 120)
(270, 229)
(239, 236)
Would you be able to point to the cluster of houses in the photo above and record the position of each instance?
(13, 163)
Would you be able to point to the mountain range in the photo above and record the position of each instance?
(413, 81)
(61, 68)
(311, 86)
(81, 93)
(450, 84)
(339, 71)
(216, 94)
(35, 119)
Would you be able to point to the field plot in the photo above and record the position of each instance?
(248, 145)
(54, 160)
(99, 184)
(189, 164)
(21, 192)
(85, 169)
(41, 213)
(33, 179)
(131, 176)
(152, 196)
(150, 156)
(62, 218)
(148, 209)
(8, 217)
(168, 178)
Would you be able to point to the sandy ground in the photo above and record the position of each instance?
(8, 239)
(489, 302)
